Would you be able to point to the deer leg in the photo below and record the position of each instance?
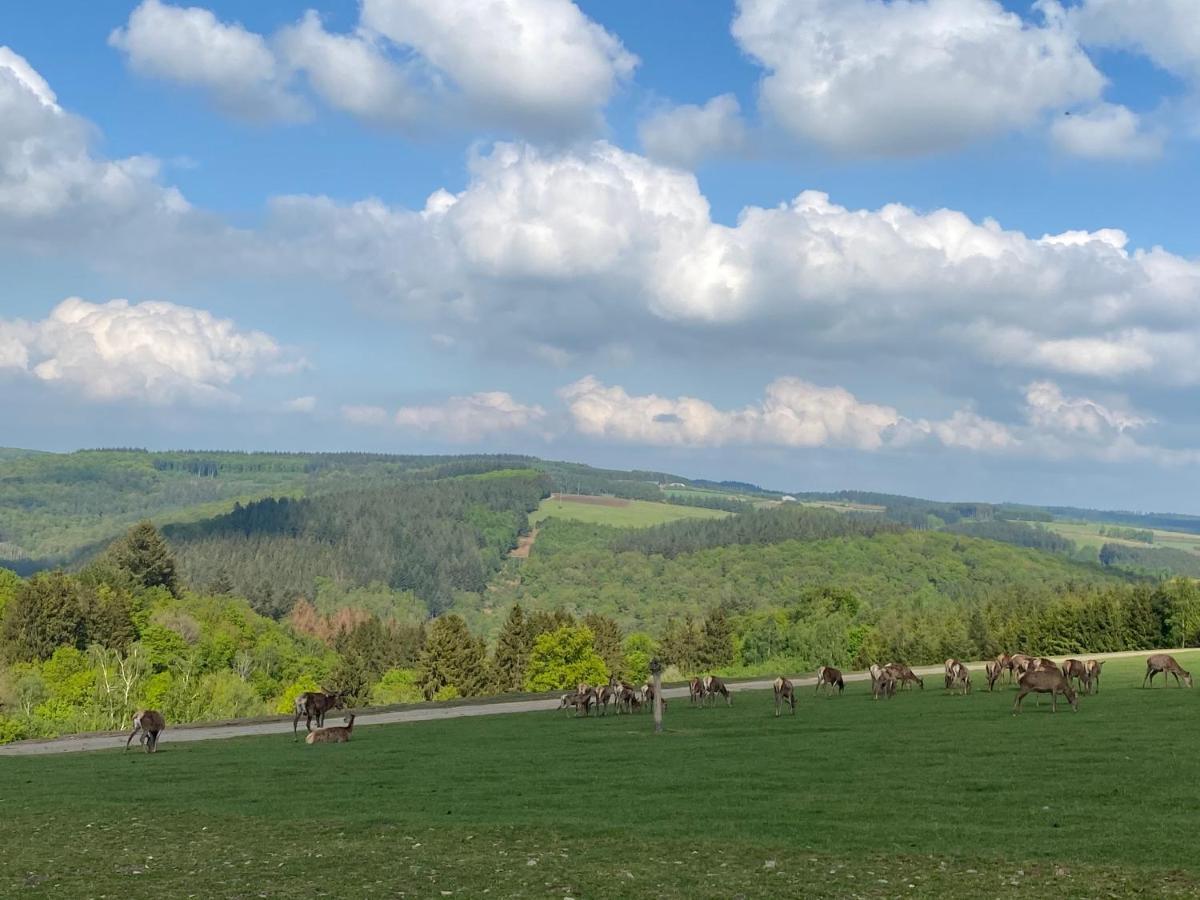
(1017, 702)
(136, 729)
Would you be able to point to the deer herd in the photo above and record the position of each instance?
(1033, 675)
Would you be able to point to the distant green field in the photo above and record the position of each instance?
(1088, 535)
(629, 514)
(924, 795)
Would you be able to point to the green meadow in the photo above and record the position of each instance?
(620, 513)
(928, 794)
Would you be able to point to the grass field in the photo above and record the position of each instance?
(628, 514)
(1088, 535)
(923, 795)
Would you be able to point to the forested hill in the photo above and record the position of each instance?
(432, 540)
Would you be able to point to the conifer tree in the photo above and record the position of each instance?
(146, 557)
(452, 657)
(716, 648)
(45, 614)
(512, 652)
(607, 637)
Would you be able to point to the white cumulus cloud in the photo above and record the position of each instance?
(1107, 131)
(686, 135)
(190, 45)
(866, 77)
(152, 352)
(469, 418)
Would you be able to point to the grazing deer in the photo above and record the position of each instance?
(1077, 670)
(629, 700)
(1020, 664)
(828, 675)
(994, 669)
(1165, 663)
(1094, 666)
(904, 675)
(314, 705)
(713, 686)
(1046, 681)
(336, 734)
(695, 692)
(1045, 662)
(960, 677)
(567, 701)
(151, 724)
(951, 665)
(648, 697)
(883, 686)
(604, 696)
(784, 693)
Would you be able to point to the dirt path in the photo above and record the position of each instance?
(112, 740)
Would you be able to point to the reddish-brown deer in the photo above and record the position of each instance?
(151, 724)
(1165, 663)
(696, 692)
(1046, 681)
(883, 686)
(960, 677)
(648, 696)
(713, 686)
(994, 669)
(828, 676)
(1094, 666)
(904, 675)
(336, 734)
(313, 705)
(1077, 670)
(784, 693)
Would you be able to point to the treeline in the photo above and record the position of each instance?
(1015, 532)
(1164, 521)
(1157, 562)
(1142, 535)
(758, 526)
(431, 539)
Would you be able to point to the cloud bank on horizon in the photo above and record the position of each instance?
(575, 283)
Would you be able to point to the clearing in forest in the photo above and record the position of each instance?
(618, 512)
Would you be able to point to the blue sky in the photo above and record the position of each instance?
(942, 247)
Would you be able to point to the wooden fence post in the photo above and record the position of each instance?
(656, 672)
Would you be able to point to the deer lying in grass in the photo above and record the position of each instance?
(784, 693)
(828, 675)
(151, 724)
(314, 705)
(1165, 663)
(713, 686)
(695, 692)
(1046, 681)
(337, 734)
(904, 675)
(1094, 666)
(1077, 670)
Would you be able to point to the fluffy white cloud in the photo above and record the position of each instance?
(457, 419)
(530, 66)
(685, 135)
(867, 77)
(797, 414)
(351, 72)
(541, 64)
(153, 352)
(1166, 31)
(55, 193)
(793, 413)
(469, 418)
(1107, 131)
(597, 247)
(190, 45)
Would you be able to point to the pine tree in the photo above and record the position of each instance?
(512, 652)
(682, 646)
(146, 557)
(541, 621)
(716, 648)
(45, 614)
(607, 636)
(452, 657)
